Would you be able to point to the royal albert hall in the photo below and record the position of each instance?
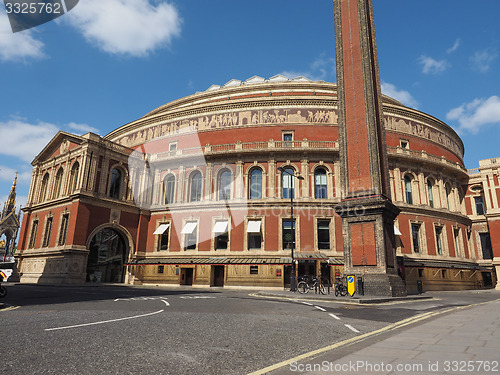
(200, 190)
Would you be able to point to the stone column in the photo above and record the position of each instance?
(366, 209)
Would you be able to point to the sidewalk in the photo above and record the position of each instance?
(464, 341)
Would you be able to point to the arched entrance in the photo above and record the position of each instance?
(108, 253)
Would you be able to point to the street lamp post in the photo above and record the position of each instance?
(292, 226)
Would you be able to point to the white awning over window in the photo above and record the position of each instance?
(161, 229)
(253, 226)
(396, 231)
(220, 227)
(189, 227)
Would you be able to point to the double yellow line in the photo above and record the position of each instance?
(10, 308)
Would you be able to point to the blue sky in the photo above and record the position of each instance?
(109, 62)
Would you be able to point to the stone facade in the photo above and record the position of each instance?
(206, 168)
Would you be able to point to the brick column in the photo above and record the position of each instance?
(366, 209)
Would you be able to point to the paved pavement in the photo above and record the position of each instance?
(460, 340)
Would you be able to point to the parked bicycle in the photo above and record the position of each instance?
(340, 286)
(315, 284)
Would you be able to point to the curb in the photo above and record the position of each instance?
(357, 301)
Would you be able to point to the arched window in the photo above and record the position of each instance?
(287, 183)
(169, 188)
(58, 183)
(255, 188)
(195, 187)
(430, 186)
(320, 190)
(73, 180)
(115, 185)
(43, 189)
(225, 185)
(408, 191)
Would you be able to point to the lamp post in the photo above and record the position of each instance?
(292, 226)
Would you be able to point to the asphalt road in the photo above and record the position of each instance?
(141, 330)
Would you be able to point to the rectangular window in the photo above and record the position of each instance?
(443, 274)
(254, 270)
(63, 231)
(405, 144)
(415, 233)
(162, 232)
(479, 205)
(486, 245)
(287, 139)
(221, 235)
(254, 235)
(34, 230)
(420, 272)
(439, 242)
(323, 234)
(190, 235)
(288, 234)
(161, 269)
(48, 231)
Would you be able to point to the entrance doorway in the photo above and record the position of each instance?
(186, 276)
(218, 275)
(108, 253)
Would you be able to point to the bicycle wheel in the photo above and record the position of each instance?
(343, 290)
(322, 289)
(336, 291)
(302, 287)
(3, 292)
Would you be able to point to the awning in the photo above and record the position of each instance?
(161, 229)
(396, 231)
(220, 227)
(189, 227)
(209, 261)
(253, 226)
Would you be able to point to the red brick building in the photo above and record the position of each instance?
(198, 192)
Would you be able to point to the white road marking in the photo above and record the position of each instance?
(166, 303)
(351, 328)
(141, 298)
(320, 308)
(104, 321)
(307, 303)
(196, 297)
(334, 316)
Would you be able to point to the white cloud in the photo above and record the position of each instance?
(481, 60)
(400, 95)
(8, 174)
(477, 113)
(18, 46)
(432, 66)
(82, 128)
(323, 68)
(24, 140)
(454, 47)
(126, 27)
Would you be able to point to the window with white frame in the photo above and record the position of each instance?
(254, 234)
(163, 232)
(221, 233)
(190, 232)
